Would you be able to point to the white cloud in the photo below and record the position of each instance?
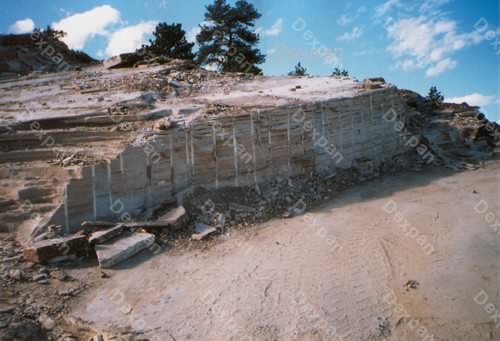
(381, 10)
(474, 99)
(431, 5)
(440, 67)
(353, 35)
(345, 20)
(428, 44)
(274, 30)
(271, 51)
(83, 26)
(191, 34)
(362, 53)
(129, 38)
(22, 26)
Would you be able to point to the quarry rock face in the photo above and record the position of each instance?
(110, 145)
(240, 149)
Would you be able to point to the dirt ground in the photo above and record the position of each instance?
(404, 257)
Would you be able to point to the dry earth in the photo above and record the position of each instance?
(345, 271)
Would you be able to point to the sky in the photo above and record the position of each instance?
(414, 44)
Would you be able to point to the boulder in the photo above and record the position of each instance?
(46, 250)
(118, 250)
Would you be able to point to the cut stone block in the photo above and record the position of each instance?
(100, 237)
(118, 250)
(45, 250)
(202, 231)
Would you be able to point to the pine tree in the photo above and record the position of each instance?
(228, 40)
(54, 34)
(340, 73)
(170, 41)
(299, 70)
(435, 96)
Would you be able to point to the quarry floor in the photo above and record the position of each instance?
(345, 271)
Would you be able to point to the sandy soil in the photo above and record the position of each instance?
(348, 270)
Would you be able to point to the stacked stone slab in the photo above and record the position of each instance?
(236, 151)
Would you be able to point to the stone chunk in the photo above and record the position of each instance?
(116, 251)
(163, 124)
(124, 60)
(45, 250)
(97, 224)
(202, 231)
(100, 237)
(175, 219)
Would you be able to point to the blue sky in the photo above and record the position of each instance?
(453, 44)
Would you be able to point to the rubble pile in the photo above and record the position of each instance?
(33, 297)
(240, 207)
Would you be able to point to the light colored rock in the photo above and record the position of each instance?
(39, 277)
(163, 124)
(16, 274)
(122, 60)
(176, 218)
(46, 322)
(202, 231)
(47, 250)
(100, 237)
(112, 253)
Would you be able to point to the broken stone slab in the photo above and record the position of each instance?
(176, 219)
(98, 224)
(46, 250)
(118, 250)
(122, 61)
(100, 237)
(202, 231)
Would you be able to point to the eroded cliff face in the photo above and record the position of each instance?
(25, 53)
(100, 144)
